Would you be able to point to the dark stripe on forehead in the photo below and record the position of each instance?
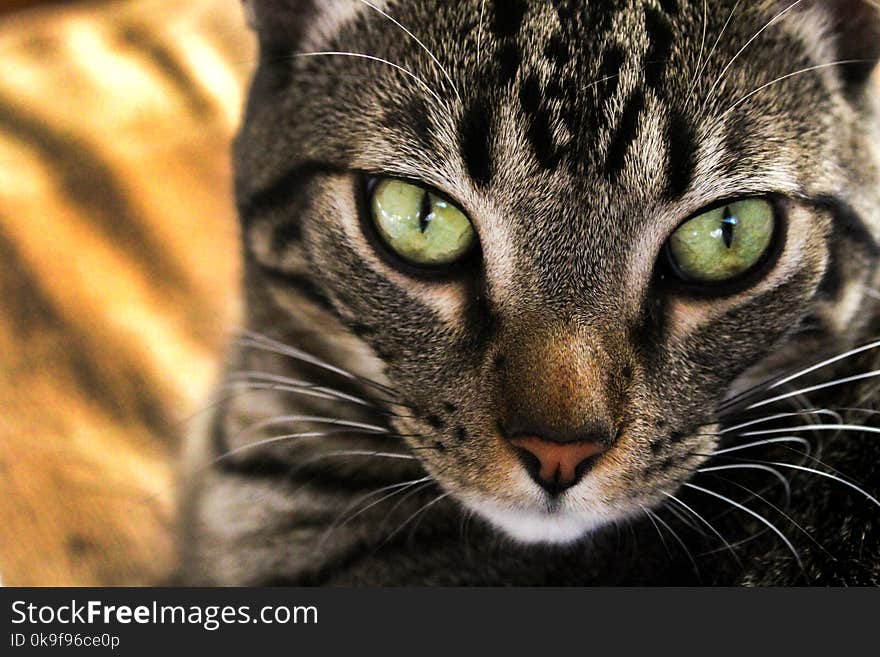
(681, 141)
(624, 135)
(660, 38)
(412, 119)
(609, 72)
(507, 17)
(509, 60)
(475, 139)
(538, 124)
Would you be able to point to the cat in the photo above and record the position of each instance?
(551, 293)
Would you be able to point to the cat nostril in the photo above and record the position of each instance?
(556, 466)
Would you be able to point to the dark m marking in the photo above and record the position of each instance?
(681, 138)
(624, 135)
(475, 138)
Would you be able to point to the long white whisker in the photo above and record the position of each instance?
(786, 77)
(715, 45)
(839, 480)
(769, 24)
(396, 490)
(779, 416)
(650, 517)
(677, 538)
(359, 55)
(277, 439)
(755, 515)
(298, 390)
(814, 427)
(753, 466)
(787, 439)
(288, 419)
(820, 386)
(782, 513)
(684, 519)
(705, 522)
(421, 45)
(422, 509)
(702, 45)
(824, 363)
(258, 341)
(264, 378)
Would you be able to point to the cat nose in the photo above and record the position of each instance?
(557, 466)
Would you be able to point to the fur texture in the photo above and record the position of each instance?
(576, 136)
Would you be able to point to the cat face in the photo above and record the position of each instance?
(567, 231)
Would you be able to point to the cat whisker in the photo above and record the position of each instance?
(278, 387)
(779, 416)
(341, 521)
(860, 428)
(711, 527)
(820, 386)
(418, 511)
(675, 535)
(782, 78)
(372, 58)
(276, 439)
(650, 517)
(714, 46)
(772, 441)
(702, 45)
(316, 419)
(266, 381)
(684, 519)
(825, 363)
(828, 475)
(752, 513)
(754, 466)
(781, 512)
(259, 341)
(729, 64)
(419, 42)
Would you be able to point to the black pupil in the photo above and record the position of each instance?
(425, 212)
(728, 224)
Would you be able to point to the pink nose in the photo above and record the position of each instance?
(553, 465)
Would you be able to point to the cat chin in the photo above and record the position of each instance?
(533, 526)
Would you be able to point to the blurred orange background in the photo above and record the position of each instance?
(119, 274)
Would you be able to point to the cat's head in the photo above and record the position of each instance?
(568, 230)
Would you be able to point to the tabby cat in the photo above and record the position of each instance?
(551, 292)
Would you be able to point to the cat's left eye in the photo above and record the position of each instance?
(724, 243)
(420, 226)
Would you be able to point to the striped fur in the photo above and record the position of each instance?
(115, 293)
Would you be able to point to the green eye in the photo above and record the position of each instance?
(723, 243)
(420, 226)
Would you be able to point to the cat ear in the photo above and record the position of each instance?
(856, 29)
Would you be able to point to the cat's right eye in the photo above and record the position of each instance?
(420, 226)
